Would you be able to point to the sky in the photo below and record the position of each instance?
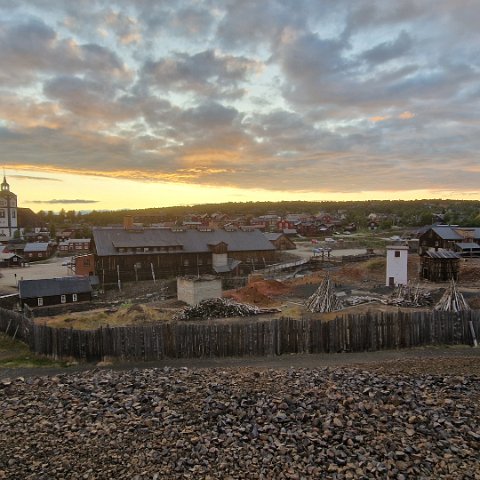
(151, 103)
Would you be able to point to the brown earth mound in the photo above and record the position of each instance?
(138, 314)
(259, 292)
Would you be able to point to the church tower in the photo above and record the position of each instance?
(8, 211)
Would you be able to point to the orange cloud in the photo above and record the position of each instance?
(406, 115)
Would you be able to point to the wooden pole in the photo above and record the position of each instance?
(118, 277)
(153, 272)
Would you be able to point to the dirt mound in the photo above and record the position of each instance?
(260, 292)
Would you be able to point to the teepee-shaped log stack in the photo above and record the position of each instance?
(452, 300)
(324, 299)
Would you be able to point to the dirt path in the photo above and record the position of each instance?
(442, 360)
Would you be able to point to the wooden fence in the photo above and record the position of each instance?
(351, 333)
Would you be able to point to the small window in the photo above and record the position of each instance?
(397, 253)
(186, 262)
(13, 213)
(63, 298)
(74, 297)
(2, 213)
(40, 254)
(40, 301)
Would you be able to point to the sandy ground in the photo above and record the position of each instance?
(49, 269)
(305, 250)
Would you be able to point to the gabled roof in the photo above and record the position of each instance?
(48, 287)
(36, 247)
(447, 233)
(108, 240)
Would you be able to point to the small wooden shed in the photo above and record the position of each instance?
(440, 265)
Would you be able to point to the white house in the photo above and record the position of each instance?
(397, 263)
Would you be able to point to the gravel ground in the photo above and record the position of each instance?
(416, 417)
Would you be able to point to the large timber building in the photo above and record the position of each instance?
(130, 253)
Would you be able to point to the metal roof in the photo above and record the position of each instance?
(48, 287)
(467, 245)
(442, 253)
(36, 247)
(192, 241)
(447, 233)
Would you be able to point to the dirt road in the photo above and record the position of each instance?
(48, 269)
(443, 360)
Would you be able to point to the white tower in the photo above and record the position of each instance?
(397, 265)
(8, 211)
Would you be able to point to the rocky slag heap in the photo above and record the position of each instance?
(240, 424)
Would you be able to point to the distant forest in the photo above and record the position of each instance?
(395, 212)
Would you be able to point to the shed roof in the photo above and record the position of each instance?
(47, 287)
(107, 240)
(442, 253)
(467, 245)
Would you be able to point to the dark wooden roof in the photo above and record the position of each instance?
(48, 287)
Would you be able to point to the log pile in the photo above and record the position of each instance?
(324, 299)
(452, 300)
(220, 308)
(409, 296)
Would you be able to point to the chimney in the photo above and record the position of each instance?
(128, 222)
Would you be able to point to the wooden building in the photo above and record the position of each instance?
(144, 253)
(74, 246)
(447, 237)
(38, 251)
(54, 291)
(8, 260)
(439, 265)
(280, 241)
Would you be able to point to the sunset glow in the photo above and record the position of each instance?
(109, 105)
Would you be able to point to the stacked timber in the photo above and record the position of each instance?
(220, 308)
(324, 299)
(409, 296)
(452, 300)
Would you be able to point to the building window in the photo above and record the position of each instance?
(186, 262)
(74, 297)
(2, 213)
(40, 254)
(13, 213)
(397, 253)
(40, 301)
(63, 298)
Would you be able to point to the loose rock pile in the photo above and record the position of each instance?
(240, 424)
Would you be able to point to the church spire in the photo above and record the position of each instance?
(5, 185)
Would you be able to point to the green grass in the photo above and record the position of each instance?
(16, 354)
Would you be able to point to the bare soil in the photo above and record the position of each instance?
(356, 278)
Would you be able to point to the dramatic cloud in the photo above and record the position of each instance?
(302, 96)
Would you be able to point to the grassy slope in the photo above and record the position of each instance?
(15, 354)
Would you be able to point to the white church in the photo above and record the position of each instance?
(8, 212)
